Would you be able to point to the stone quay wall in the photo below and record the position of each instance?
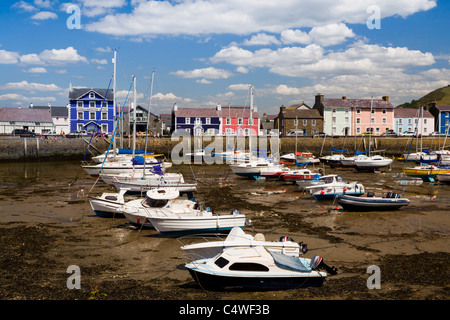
(15, 148)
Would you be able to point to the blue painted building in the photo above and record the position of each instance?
(441, 115)
(196, 121)
(91, 110)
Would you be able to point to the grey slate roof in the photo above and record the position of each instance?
(25, 115)
(356, 103)
(302, 114)
(411, 113)
(232, 111)
(76, 93)
(54, 111)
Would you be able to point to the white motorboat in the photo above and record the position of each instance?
(107, 204)
(256, 268)
(372, 162)
(420, 156)
(443, 177)
(170, 215)
(256, 167)
(136, 175)
(115, 167)
(332, 185)
(238, 238)
(300, 174)
(155, 182)
(332, 160)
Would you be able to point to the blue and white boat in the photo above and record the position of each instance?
(391, 201)
(330, 186)
(256, 268)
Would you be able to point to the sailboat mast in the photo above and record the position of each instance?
(371, 131)
(134, 115)
(148, 120)
(114, 101)
(251, 120)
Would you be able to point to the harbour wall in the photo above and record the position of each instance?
(77, 148)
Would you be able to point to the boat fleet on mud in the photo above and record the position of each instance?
(235, 260)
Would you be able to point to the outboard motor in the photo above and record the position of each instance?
(303, 247)
(317, 263)
(285, 239)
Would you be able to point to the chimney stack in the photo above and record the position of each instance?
(175, 107)
(218, 107)
(386, 98)
(344, 98)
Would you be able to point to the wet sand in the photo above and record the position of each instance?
(47, 225)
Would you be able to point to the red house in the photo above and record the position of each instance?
(235, 120)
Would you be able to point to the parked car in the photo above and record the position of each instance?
(437, 134)
(295, 133)
(320, 134)
(390, 133)
(367, 133)
(23, 132)
(408, 133)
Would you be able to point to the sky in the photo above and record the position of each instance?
(205, 52)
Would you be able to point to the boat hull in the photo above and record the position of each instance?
(105, 208)
(179, 225)
(350, 203)
(220, 282)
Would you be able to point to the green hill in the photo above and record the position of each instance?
(441, 96)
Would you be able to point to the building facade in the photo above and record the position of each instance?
(38, 121)
(407, 120)
(91, 110)
(342, 116)
(60, 117)
(306, 121)
(232, 120)
(441, 115)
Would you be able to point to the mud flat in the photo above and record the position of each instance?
(47, 225)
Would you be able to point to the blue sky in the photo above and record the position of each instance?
(205, 52)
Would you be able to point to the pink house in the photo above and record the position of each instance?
(376, 116)
(235, 120)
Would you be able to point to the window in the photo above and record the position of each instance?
(400, 121)
(198, 120)
(334, 130)
(372, 120)
(104, 116)
(334, 110)
(228, 121)
(80, 127)
(80, 115)
(384, 111)
(208, 120)
(358, 120)
(187, 121)
(305, 122)
(240, 121)
(373, 110)
(104, 128)
(358, 130)
(424, 121)
(377, 130)
(188, 130)
(313, 122)
(246, 132)
(228, 131)
(79, 104)
(248, 266)
(91, 95)
(400, 129)
(295, 122)
(92, 115)
(346, 120)
(334, 119)
(91, 104)
(221, 262)
(104, 104)
(409, 121)
(384, 120)
(358, 111)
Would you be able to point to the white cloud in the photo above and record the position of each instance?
(43, 3)
(330, 34)
(166, 97)
(295, 36)
(311, 61)
(25, 100)
(203, 81)
(44, 15)
(261, 39)
(103, 50)
(8, 57)
(210, 73)
(37, 70)
(285, 90)
(30, 86)
(239, 87)
(241, 70)
(31, 58)
(202, 17)
(99, 61)
(24, 6)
